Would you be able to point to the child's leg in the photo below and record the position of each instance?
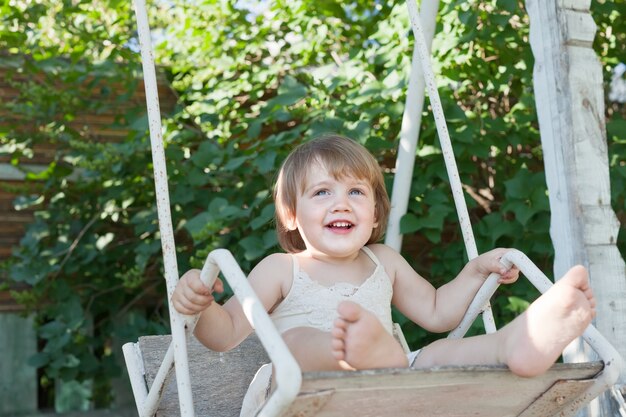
(532, 342)
(361, 342)
(529, 345)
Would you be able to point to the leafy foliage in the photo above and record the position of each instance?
(250, 85)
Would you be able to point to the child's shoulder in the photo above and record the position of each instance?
(276, 261)
(384, 253)
(382, 249)
(275, 268)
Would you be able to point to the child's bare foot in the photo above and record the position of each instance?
(537, 337)
(359, 340)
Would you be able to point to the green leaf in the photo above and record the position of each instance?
(253, 246)
(468, 18)
(254, 129)
(508, 5)
(39, 360)
(197, 178)
(206, 154)
(517, 304)
(270, 239)
(615, 129)
(432, 234)
(57, 344)
(289, 93)
(235, 163)
(523, 213)
(519, 186)
(51, 329)
(197, 223)
(31, 273)
(409, 223)
(266, 216)
(495, 226)
(24, 202)
(265, 162)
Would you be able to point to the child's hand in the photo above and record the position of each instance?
(489, 262)
(191, 296)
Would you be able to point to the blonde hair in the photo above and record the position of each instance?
(341, 157)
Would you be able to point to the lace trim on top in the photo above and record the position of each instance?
(311, 304)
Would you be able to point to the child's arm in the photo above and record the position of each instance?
(440, 310)
(221, 328)
(453, 299)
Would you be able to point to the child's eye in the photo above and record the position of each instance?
(356, 191)
(321, 192)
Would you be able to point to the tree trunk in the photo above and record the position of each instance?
(570, 106)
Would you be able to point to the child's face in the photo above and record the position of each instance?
(334, 216)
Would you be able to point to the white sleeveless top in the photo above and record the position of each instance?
(311, 304)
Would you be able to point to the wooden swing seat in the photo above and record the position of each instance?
(220, 380)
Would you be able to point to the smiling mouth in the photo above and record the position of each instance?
(340, 225)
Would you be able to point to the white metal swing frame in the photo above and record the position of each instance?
(287, 371)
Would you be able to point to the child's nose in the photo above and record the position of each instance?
(341, 204)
